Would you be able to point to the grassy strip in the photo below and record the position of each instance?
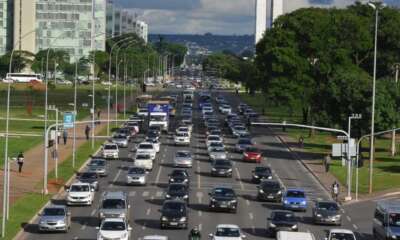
(386, 168)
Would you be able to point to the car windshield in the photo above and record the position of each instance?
(214, 139)
(216, 145)
(143, 110)
(113, 226)
(182, 134)
(330, 206)
(53, 212)
(174, 207)
(224, 192)
(178, 188)
(284, 216)
(142, 157)
(97, 163)
(217, 150)
(394, 219)
(120, 136)
(183, 129)
(227, 232)
(79, 188)
(110, 147)
(252, 149)
(113, 204)
(295, 194)
(89, 175)
(178, 174)
(183, 154)
(270, 185)
(262, 170)
(157, 118)
(342, 236)
(240, 128)
(136, 171)
(244, 141)
(146, 146)
(223, 163)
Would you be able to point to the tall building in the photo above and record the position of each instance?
(65, 25)
(267, 11)
(141, 29)
(5, 25)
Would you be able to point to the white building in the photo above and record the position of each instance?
(141, 29)
(267, 11)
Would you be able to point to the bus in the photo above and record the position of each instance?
(24, 77)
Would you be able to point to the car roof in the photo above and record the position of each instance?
(340, 230)
(392, 206)
(114, 220)
(227, 226)
(80, 183)
(56, 206)
(115, 195)
(296, 189)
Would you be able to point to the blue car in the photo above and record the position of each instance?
(295, 199)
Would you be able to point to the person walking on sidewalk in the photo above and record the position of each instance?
(20, 161)
(327, 162)
(87, 132)
(65, 136)
(335, 191)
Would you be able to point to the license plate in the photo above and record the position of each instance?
(223, 205)
(173, 224)
(270, 197)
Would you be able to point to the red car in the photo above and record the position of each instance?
(252, 154)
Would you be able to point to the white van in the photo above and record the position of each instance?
(283, 235)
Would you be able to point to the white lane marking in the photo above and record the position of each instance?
(158, 174)
(200, 213)
(159, 194)
(198, 176)
(348, 218)
(144, 227)
(253, 229)
(247, 202)
(355, 226)
(83, 227)
(116, 176)
(145, 194)
(132, 193)
(93, 212)
(148, 211)
(251, 216)
(240, 181)
(200, 227)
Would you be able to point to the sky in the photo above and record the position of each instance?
(215, 16)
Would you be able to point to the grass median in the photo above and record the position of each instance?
(386, 168)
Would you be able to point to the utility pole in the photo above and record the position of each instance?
(92, 43)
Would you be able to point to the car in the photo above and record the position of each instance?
(281, 220)
(225, 109)
(144, 160)
(219, 99)
(80, 194)
(215, 145)
(240, 131)
(227, 232)
(134, 126)
(252, 154)
(142, 112)
(213, 139)
(54, 218)
(242, 144)
(288, 235)
(136, 176)
(114, 205)
(177, 191)
(269, 190)
(183, 130)
(126, 131)
(155, 237)
(221, 168)
(217, 132)
(217, 153)
(207, 109)
(295, 199)
(341, 234)
(223, 198)
(327, 212)
(156, 143)
(183, 158)
(114, 228)
(182, 139)
(99, 166)
(146, 148)
(110, 151)
(64, 82)
(179, 176)
(153, 135)
(261, 173)
(155, 128)
(89, 177)
(187, 105)
(386, 219)
(121, 140)
(174, 214)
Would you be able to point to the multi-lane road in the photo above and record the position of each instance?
(251, 216)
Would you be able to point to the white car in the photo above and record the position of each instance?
(214, 145)
(340, 234)
(114, 228)
(156, 143)
(80, 194)
(110, 150)
(225, 109)
(142, 112)
(207, 110)
(227, 232)
(182, 139)
(184, 130)
(147, 148)
(143, 160)
(213, 138)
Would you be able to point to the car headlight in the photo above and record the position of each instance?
(286, 202)
(101, 214)
(269, 177)
(212, 199)
(214, 169)
(164, 219)
(261, 191)
(229, 170)
(338, 216)
(122, 215)
(303, 202)
(272, 225)
(234, 201)
(294, 226)
(186, 196)
(183, 219)
(167, 196)
(41, 222)
(172, 180)
(185, 180)
(255, 176)
(246, 155)
(60, 222)
(279, 192)
(319, 215)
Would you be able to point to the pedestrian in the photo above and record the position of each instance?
(98, 114)
(327, 162)
(301, 142)
(58, 136)
(65, 136)
(87, 131)
(20, 161)
(335, 191)
(237, 91)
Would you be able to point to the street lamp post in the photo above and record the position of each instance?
(55, 154)
(349, 163)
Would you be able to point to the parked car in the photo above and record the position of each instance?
(282, 220)
(54, 218)
(114, 205)
(114, 228)
(179, 176)
(252, 154)
(177, 191)
(99, 166)
(227, 232)
(110, 151)
(327, 212)
(80, 194)
(136, 176)
(261, 173)
(221, 168)
(90, 177)
(174, 214)
(223, 198)
(295, 199)
(270, 190)
(183, 158)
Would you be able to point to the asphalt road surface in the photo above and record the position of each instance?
(251, 215)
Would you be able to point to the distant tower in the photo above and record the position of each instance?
(267, 11)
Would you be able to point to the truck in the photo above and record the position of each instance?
(159, 114)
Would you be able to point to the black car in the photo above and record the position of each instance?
(221, 168)
(153, 135)
(90, 177)
(327, 212)
(282, 220)
(261, 173)
(177, 191)
(155, 128)
(223, 198)
(269, 190)
(179, 176)
(174, 214)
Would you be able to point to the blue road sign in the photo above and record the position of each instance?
(69, 120)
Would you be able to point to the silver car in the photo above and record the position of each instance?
(136, 176)
(217, 153)
(121, 140)
(183, 158)
(99, 166)
(54, 218)
(114, 205)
